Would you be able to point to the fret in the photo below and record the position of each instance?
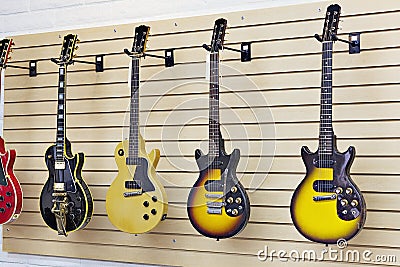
(325, 148)
(133, 153)
(60, 135)
(214, 128)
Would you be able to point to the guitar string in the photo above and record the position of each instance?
(61, 121)
(214, 110)
(134, 116)
(326, 138)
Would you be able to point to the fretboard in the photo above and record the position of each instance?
(325, 130)
(133, 153)
(60, 139)
(2, 71)
(213, 127)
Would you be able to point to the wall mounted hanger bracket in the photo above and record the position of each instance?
(32, 67)
(98, 61)
(354, 41)
(168, 56)
(245, 50)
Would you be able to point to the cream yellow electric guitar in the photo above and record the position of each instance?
(136, 200)
(327, 205)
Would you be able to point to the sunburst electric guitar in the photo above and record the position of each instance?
(66, 203)
(136, 200)
(10, 189)
(327, 205)
(218, 205)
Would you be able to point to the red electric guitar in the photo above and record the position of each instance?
(10, 189)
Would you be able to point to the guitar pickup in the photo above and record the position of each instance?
(133, 161)
(132, 185)
(60, 165)
(214, 186)
(214, 210)
(211, 204)
(58, 187)
(215, 196)
(322, 198)
(132, 194)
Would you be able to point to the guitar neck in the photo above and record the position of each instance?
(61, 118)
(134, 114)
(325, 128)
(2, 74)
(214, 128)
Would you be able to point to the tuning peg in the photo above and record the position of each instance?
(11, 50)
(78, 41)
(74, 55)
(76, 47)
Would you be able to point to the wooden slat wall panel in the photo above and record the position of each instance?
(269, 114)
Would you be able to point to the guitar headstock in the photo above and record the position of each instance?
(5, 50)
(140, 40)
(218, 36)
(68, 48)
(331, 22)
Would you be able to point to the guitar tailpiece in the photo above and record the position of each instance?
(60, 215)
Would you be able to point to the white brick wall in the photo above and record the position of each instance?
(19, 17)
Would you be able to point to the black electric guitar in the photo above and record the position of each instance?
(327, 205)
(218, 205)
(66, 203)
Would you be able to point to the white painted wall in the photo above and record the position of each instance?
(31, 16)
(19, 17)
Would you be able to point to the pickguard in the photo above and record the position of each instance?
(3, 179)
(68, 177)
(141, 178)
(65, 175)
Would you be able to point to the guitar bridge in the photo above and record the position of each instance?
(132, 194)
(322, 198)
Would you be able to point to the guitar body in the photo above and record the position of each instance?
(128, 211)
(326, 221)
(209, 195)
(80, 207)
(10, 188)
